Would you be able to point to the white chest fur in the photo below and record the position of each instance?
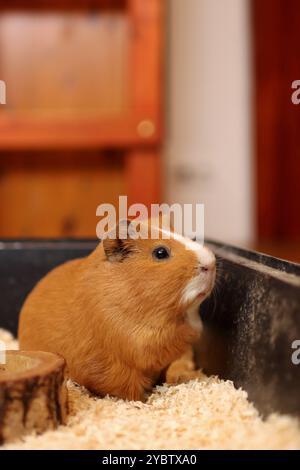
(193, 317)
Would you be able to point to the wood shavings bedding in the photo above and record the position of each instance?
(205, 413)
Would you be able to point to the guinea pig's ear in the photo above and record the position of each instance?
(118, 244)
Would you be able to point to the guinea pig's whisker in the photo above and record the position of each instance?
(220, 271)
(219, 277)
(214, 304)
(217, 290)
(215, 295)
(219, 262)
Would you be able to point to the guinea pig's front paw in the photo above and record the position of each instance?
(184, 377)
(134, 387)
(183, 369)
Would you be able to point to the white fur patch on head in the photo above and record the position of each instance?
(204, 255)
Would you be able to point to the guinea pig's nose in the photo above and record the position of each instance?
(210, 266)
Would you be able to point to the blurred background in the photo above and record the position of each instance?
(161, 100)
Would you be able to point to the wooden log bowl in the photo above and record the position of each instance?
(33, 394)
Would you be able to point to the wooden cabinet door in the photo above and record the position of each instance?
(277, 65)
(81, 78)
(82, 120)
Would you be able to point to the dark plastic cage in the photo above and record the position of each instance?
(251, 320)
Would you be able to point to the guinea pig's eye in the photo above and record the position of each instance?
(161, 252)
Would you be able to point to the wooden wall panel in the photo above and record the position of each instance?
(276, 38)
(46, 194)
(60, 5)
(143, 176)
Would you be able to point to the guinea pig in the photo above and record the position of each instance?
(123, 314)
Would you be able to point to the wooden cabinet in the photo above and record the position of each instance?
(82, 123)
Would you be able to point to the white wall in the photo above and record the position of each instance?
(209, 143)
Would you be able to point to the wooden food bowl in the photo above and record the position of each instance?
(33, 395)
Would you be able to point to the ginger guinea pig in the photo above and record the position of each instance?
(121, 315)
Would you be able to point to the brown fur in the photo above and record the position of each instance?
(116, 315)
